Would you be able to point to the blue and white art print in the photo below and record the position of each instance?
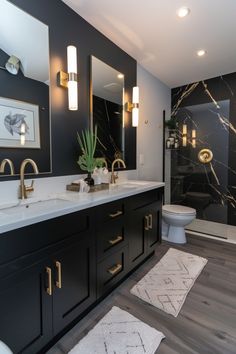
(19, 124)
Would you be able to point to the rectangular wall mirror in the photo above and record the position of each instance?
(24, 89)
(107, 102)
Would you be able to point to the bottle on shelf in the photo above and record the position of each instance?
(168, 144)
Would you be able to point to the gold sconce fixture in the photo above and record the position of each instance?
(70, 79)
(185, 136)
(205, 156)
(194, 135)
(134, 106)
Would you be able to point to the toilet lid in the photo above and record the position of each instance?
(178, 209)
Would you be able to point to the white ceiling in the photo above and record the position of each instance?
(25, 37)
(164, 44)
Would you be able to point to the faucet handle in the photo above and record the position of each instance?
(30, 188)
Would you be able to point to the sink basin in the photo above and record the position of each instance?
(137, 183)
(132, 184)
(36, 207)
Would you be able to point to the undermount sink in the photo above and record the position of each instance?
(132, 184)
(36, 207)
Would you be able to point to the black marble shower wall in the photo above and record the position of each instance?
(209, 108)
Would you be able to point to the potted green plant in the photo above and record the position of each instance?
(172, 123)
(87, 162)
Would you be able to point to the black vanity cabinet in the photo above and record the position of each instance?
(25, 310)
(143, 223)
(43, 292)
(53, 271)
(111, 241)
(152, 225)
(74, 279)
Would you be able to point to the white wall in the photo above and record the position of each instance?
(155, 97)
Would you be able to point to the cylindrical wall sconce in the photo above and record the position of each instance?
(135, 109)
(72, 78)
(194, 136)
(69, 79)
(134, 106)
(184, 135)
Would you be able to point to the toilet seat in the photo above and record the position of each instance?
(175, 209)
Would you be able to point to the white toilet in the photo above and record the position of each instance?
(175, 218)
(4, 348)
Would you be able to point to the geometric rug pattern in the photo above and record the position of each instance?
(119, 332)
(168, 283)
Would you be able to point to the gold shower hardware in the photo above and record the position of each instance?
(115, 269)
(49, 287)
(58, 281)
(118, 213)
(116, 240)
(150, 221)
(205, 156)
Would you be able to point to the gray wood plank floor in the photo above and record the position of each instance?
(207, 322)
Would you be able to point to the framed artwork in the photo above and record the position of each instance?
(19, 124)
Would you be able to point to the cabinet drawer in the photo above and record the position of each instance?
(111, 270)
(110, 211)
(140, 200)
(110, 237)
(20, 242)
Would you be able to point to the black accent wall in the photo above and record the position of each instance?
(209, 107)
(66, 27)
(23, 89)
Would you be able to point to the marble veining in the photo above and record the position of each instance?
(209, 107)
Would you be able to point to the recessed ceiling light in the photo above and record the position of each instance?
(120, 76)
(183, 11)
(201, 52)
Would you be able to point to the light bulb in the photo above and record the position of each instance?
(183, 11)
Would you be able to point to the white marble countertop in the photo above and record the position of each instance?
(34, 210)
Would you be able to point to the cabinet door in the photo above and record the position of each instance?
(136, 236)
(74, 281)
(153, 232)
(143, 231)
(25, 310)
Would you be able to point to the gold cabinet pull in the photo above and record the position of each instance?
(58, 281)
(49, 287)
(118, 213)
(116, 240)
(146, 227)
(150, 221)
(115, 269)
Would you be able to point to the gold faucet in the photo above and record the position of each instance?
(23, 188)
(113, 176)
(3, 164)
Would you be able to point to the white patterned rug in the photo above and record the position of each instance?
(168, 283)
(118, 332)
